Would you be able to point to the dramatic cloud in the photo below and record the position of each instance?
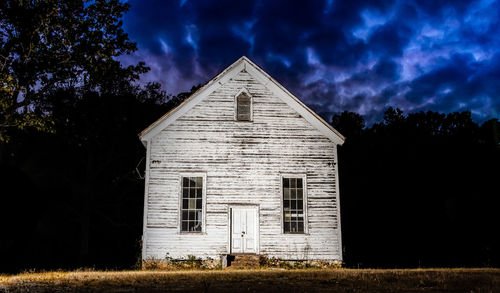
(360, 56)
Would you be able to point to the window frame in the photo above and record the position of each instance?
(243, 90)
(305, 201)
(203, 203)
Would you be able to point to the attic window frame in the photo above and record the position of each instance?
(243, 91)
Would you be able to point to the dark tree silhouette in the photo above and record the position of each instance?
(47, 44)
(418, 190)
(74, 197)
(350, 124)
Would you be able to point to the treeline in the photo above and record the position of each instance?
(420, 190)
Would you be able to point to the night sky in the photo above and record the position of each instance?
(361, 56)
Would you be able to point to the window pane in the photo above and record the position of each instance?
(300, 204)
(293, 204)
(198, 216)
(243, 108)
(192, 215)
(192, 192)
(184, 226)
(185, 192)
(191, 225)
(288, 217)
(185, 182)
(300, 227)
(243, 113)
(198, 204)
(286, 193)
(185, 215)
(199, 192)
(286, 204)
(299, 182)
(244, 117)
(293, 193)
(292, 182)
(243, 98)
(199, 181)
(197, 227)
(192, 203)
(299, 193)
(185, 204)
(286, 182)
(293, 227)
(287, 226)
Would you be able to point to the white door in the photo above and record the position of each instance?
(244, 230)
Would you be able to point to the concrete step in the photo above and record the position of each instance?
(244, 261)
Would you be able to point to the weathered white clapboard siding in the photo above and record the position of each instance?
(242, 162)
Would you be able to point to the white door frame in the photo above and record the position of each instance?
(230, 224)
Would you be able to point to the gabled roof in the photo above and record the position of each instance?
(255, 71)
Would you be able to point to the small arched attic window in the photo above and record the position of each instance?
(243, 106)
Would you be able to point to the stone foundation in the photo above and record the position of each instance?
(190, 263)
(266, 262)
(193, 263)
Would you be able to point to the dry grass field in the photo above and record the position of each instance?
(338, 280)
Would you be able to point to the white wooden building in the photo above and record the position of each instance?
(242, 166)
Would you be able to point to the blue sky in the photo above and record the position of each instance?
(361, 56)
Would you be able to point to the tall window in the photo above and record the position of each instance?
(192, 200)
(293, 205)
(243, 107)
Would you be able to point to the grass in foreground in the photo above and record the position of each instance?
(338, 280)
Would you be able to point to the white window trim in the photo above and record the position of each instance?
(243, 90)
(203, 203)
(304, 185)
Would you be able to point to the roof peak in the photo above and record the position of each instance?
(263, 77)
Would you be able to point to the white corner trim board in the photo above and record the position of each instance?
(277, 89)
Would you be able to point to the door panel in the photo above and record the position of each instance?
(250, 231)
(243, 230)
(236, 237)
